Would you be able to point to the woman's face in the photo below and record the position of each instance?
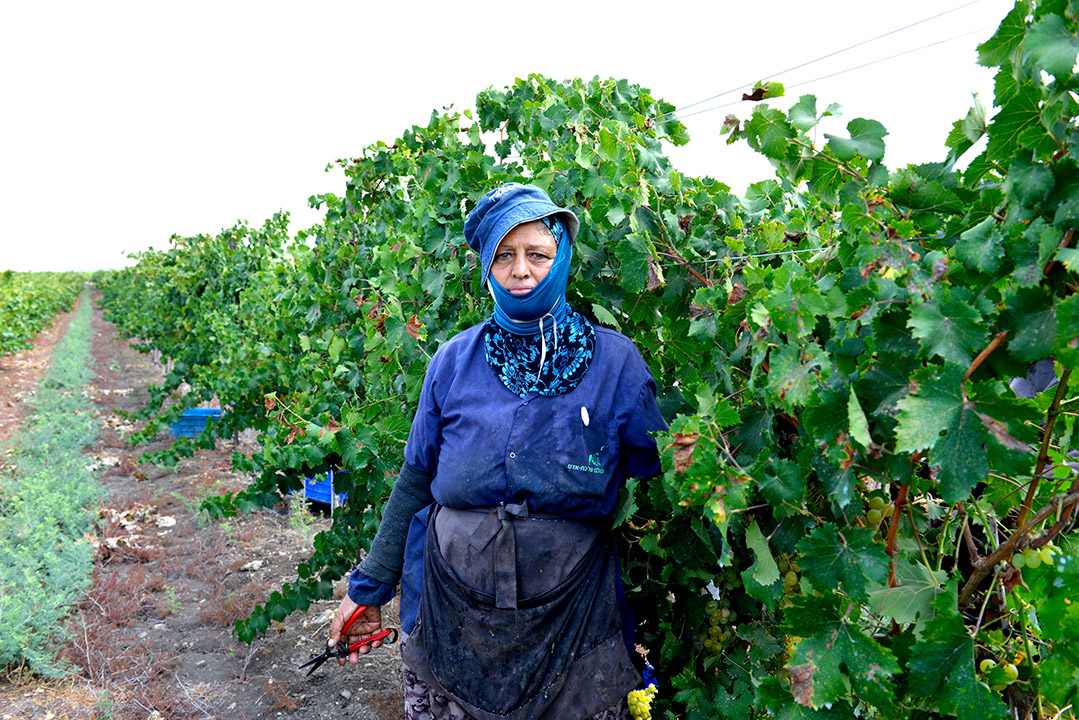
(524, 257)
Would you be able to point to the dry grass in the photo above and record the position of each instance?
(226, 606)
(277, 694)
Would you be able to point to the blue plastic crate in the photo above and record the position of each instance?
(321, 490)
(194, 421)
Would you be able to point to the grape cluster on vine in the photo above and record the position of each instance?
(1035, 557)
(879, 509)
(640, 703)
(721, 627)
(790, 570)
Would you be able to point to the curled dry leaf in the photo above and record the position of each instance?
(1000, 431)
(684, 444)
(849, 453)
(940, 267)
(1011, 578)
(414, 327)
(757, 95)
(736, 294)
(762, 333)
(653, 277)
(802, 684)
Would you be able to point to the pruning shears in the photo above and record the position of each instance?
(343, 649)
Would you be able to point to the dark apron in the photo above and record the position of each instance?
(519, 617)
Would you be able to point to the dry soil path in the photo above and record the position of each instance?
(153, 637)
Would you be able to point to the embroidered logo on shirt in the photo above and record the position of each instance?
(594, 464)
(593, 459)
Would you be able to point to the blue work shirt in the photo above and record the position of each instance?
(566, 455)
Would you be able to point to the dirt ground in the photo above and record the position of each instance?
(153, 637)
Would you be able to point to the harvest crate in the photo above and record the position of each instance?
(320, 490)
(194, 421)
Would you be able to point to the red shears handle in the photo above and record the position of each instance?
(380, 635)
(355, 614)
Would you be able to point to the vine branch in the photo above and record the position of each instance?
(1043, 453)
(1063, 244)
(893, 529)
(984, 567)
(993, 345)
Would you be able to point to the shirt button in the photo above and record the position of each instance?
(513, 455)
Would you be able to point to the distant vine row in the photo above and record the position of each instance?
(28, 301)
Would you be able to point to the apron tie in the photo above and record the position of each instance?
(498, 527)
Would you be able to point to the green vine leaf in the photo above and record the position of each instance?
(942, 665)
(911, 600)
(938, 418)
(769, 132)
(1006, 40)
(866, 140)
(835, 654)
(1018, 125)
(1051, 46)
(634, 255)
(795, 371)
(859, 426)
(980, 248)
(762, 579)
(950, 326)
(848, 560)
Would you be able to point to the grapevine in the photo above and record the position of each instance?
(848, 475)
(28, 301)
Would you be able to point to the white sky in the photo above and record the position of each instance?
(122, 123)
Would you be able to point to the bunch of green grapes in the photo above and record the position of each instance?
(790, 642)
(1033, 557)
(640, 703)
(721, 627)
(789, 569)
(999, 675)
(879, 508)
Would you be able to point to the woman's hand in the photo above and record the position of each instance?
(368, 623)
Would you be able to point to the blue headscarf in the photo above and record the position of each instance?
(498, 212)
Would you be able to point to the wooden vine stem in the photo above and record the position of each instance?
(893, 528)
(1063, 244)
(1043, 453)
(984, 567)
(993, 345)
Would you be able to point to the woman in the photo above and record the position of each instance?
(527, 426)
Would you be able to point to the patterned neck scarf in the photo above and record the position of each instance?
(518, 362)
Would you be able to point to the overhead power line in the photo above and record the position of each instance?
(822, 57)
(841, 72)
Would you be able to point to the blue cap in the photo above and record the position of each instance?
(503, 209)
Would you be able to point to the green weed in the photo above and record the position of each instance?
(300, 517)
(45, 563)
(194, 506)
